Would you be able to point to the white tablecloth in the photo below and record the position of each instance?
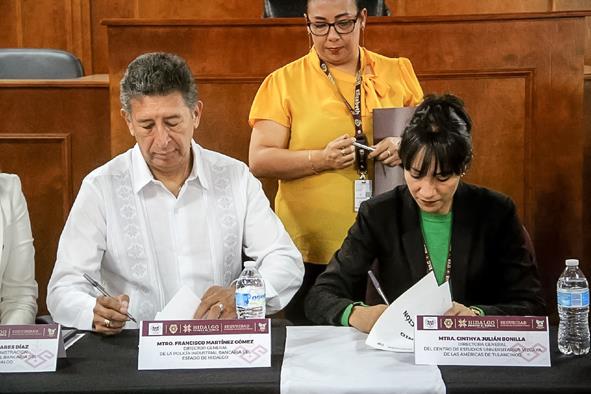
(326, 359)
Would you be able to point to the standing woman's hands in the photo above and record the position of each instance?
(338, 153)
(387, 151)
(270, 156)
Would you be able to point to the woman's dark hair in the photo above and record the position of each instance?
(441, 127)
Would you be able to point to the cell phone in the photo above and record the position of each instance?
(369, 148)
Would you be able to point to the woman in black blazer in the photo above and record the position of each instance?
(467, 234)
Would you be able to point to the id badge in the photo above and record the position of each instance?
(363, 191)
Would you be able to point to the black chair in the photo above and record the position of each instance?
(297, 8)
(34, 63)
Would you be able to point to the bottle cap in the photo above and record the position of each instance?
(252, 264)
(572, 262)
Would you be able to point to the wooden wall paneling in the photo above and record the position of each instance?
(465, 7)
(99, 10)
(468, 7)
(8, 24)
(42, 161)
(81, 44)
(45, 24)
(190, 9)
(52, 135)
(526, 98)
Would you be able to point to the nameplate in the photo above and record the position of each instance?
(196, 344)
(29, 348)
(487, 340)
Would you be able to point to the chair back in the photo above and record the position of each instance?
(37, 63)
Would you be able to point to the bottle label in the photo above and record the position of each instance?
(573, 298)
(249, 298)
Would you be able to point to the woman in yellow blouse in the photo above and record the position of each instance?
(305, 118)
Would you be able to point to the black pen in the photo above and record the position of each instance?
(377, 286)
(100, 288)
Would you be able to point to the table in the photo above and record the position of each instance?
(568, 374)
(109, 364)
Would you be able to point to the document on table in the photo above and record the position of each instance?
(181, 307)
(394, 330)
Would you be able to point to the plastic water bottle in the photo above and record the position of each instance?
(573, 309)
(250, 293)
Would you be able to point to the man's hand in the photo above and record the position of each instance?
(364, 317)
(110, 314)
(217, 303)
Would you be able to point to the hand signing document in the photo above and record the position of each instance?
(394, 330)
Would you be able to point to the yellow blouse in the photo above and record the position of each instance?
(318, 210)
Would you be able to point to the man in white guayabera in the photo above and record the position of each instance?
(165, 214)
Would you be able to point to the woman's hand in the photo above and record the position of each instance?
(338, 153)
(387, 151)
(270, 156)
(364, 317)
(459, 310)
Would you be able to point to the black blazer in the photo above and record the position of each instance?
(491, 265)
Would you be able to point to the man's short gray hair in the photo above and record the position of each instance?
(157, 74)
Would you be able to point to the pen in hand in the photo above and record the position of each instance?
(377, 286)
(369, 148)
(100, 288)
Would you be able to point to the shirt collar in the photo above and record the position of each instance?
(142, 174)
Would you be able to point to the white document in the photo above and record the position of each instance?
(394, 330)
(181, 307)
(335, 360)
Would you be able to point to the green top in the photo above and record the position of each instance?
(437, 234)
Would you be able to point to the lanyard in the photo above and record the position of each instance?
(360, 154)
(447, 264)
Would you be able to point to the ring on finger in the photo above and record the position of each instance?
(343, 152)
(388, 152)
(107, 323)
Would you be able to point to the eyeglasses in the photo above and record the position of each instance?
(343, 26)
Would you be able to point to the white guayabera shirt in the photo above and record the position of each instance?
(130, 233)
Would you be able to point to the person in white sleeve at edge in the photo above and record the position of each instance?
(164, 214)
(18, 289)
